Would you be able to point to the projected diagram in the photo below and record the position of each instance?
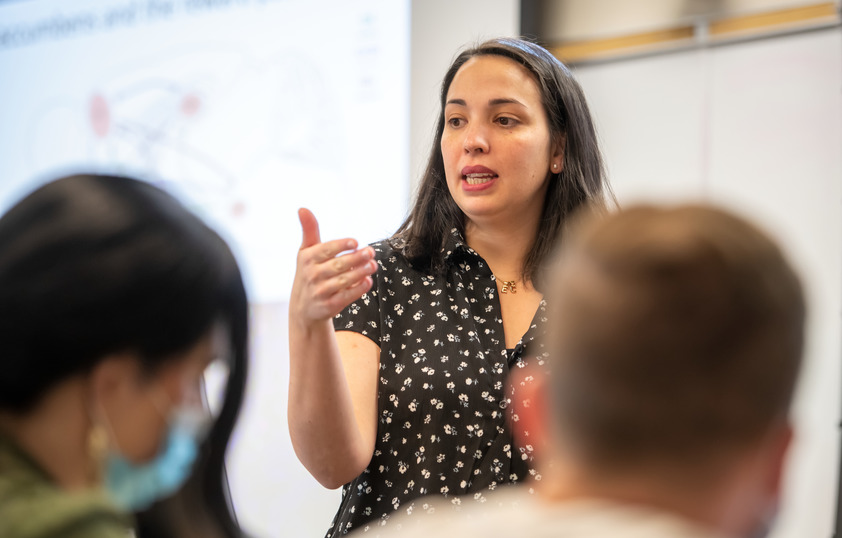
(207, 133)
(241, 142)
(237, 110)
(148, 126)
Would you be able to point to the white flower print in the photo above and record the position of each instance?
(458, 328)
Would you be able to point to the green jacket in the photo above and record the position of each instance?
(32, 506)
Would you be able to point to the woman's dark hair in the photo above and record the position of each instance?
(582, 180)
(92, 265)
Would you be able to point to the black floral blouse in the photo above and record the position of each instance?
(442, 401)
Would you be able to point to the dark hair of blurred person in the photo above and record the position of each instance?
(114, 299)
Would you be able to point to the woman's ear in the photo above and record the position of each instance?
(530, 413)
(557, 154)
(110, 379)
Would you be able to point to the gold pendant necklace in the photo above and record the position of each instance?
(507, 286)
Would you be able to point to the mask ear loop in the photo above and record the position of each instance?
(191, 416)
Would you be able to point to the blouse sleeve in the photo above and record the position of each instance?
(363, 316)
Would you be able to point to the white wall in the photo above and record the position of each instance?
(755, 126)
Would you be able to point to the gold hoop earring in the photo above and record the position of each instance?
(97, 450)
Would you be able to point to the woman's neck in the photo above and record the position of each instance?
(54, 434)
(504, 247)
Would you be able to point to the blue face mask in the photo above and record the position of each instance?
(135, 487)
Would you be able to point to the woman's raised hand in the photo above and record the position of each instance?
(326, 282)
(332, 414)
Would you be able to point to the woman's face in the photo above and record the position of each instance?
(496, 142)
(139, 406)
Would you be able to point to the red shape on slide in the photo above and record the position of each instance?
(190, 104)
(100, 115)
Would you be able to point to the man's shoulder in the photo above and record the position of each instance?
(494, 513)
(515, 511)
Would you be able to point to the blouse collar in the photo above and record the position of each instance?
(456, 247)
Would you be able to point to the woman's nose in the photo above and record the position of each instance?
(476, 140)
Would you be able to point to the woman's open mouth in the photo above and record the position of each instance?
(478, 179)
(478, 175)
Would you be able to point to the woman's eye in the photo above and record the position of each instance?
(455, 122)
(506, 121)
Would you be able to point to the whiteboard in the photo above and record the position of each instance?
(245, 109)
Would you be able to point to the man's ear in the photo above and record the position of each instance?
(530, 413)
(779, 443)
(757, 478)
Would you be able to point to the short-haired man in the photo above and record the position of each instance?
(676, 342)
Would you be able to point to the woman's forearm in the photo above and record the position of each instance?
(332, 419)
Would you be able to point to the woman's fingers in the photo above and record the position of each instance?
(311, 241)
(347, 279)
(347, 295)
(326, 279)
(346, 262)
(330, 249)
(323, 298)
(309, 228)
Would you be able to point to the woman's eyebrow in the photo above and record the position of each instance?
(492, 102)
(505, 101)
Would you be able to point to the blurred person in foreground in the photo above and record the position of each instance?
(675, 346)
(114, 300)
